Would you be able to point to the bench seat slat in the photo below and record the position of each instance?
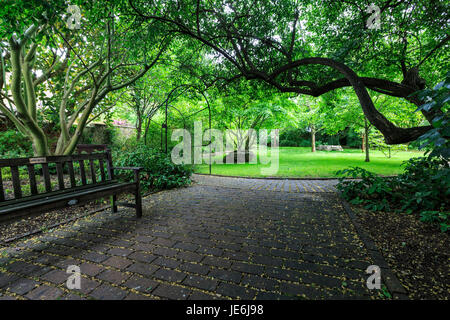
(46, 173)
(16, 182)
(83, 172)
(66, 195)
(54, 193)
(32, 177)
(95, 193)
(60, 173)
(2, 193)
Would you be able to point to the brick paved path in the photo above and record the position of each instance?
(222, 238)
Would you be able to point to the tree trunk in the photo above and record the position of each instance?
(147, 125)
(366, 137)
(313, 138)
(363, 142)
(138, 129)
(138, 120)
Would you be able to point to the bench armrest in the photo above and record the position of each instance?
(135, 169)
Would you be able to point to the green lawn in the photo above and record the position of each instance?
(301, 162)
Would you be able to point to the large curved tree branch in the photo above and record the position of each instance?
(392, 133)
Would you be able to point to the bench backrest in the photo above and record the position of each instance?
(82, 170)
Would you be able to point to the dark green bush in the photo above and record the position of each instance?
(98, 134)
(436, 142)
(293, 135)
(353, 139)
(304, 143)
(13, 144)
(159, 171)
(423, 189)
(288, 143)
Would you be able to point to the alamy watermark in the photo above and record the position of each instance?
(374, 280)
(74, 280)
(73, 22)
(229, 146)
(373, 22)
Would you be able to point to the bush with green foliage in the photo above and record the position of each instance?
(13, 144)
(159, 172)
(288, 143)
(304, 143)
(436, 142)
(423, 188)
(293, 135)
(353, 138)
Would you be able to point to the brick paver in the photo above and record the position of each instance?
(221, 238)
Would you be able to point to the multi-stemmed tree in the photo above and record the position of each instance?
(244, 108)
(48, 60)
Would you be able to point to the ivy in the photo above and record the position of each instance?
(423, 188)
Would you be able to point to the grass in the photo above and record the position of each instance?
(301, 162)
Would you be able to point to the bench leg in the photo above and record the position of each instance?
(137, 194)
(138, 199)
(114, 203)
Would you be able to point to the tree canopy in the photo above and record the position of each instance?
(310, 48)
(314, 47)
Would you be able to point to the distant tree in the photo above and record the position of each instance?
(309, 116)
(245, 106)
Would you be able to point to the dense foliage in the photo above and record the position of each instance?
(50, 72)
(424, 187)
(13, 144)
(437, 141)
(300, 47)
(315, 47)
(292, 137)
(159, 172)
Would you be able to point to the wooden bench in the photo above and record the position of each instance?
(95, 180)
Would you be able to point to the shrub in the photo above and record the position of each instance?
(293, 134)
(13, 144)
(305, 143)
(441, 218)
(436, 141)
(159, 171)
(288, 143)
(423, 188)
(353, 139)
(121, 141)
